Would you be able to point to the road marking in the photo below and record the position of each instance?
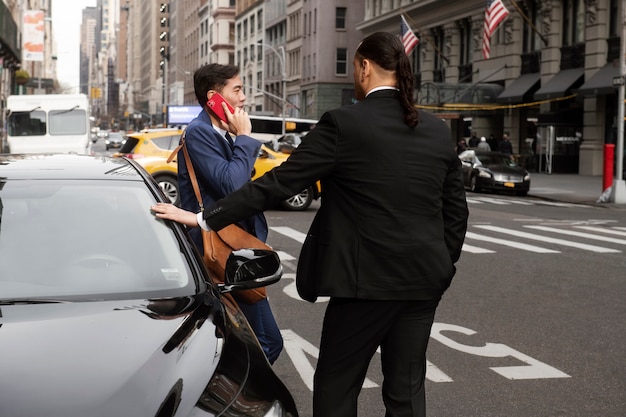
(592, 248)
(513, 244)
(612, 231)
(284, 256)
(476, 249)
(578, 234)
(533, 369)
(512, 201)
(297, 348)
(289, 232)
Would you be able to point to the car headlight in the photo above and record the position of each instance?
(484, 174)
(527, 177)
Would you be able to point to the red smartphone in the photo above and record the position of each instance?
(215, 104)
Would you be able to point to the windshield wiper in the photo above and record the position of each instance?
(66, 111)
(17, 301)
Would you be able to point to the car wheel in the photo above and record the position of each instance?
(522, 193)
(300, 201)
(169, 186)
(474, 187)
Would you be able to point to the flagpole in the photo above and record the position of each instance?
(427, 37)
(532, 26)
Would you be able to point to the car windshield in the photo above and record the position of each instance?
(85, 239)
(495, 159)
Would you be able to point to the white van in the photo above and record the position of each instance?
(48, 123)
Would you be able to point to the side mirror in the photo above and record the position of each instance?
(251, 268)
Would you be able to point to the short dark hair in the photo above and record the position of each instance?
(212, 77)
(387, 51)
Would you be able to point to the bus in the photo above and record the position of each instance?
(264, 128)
(269, 128)
(48, 123)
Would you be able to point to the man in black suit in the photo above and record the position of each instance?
(385, 239)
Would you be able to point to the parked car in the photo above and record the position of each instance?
(151, 148)
(106, 310)
(114, 140)
(287, 143)
(493, 171)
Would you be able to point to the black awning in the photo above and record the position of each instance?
(561, 83)
(522, 88)
(566, 117)
(601, 82)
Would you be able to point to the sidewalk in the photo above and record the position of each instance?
(571, 188)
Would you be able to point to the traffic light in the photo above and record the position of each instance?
(164, 35)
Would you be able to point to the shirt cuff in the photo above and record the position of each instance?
(202, 222)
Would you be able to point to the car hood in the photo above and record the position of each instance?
(107, 358)
(506, 169)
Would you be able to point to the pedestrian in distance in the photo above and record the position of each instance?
(473, 141)
(384, 242)
(505, 145)
(483, 145)
(223, 163)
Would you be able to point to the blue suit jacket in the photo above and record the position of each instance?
(220, 170)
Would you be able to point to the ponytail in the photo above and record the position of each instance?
(387, 51)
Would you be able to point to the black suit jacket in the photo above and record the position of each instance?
(393, 213)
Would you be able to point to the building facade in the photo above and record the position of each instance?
(547, 83)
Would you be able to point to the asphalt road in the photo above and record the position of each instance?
(533, 324)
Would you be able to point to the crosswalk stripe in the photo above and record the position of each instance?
(579, 234)
(516, 245)
(476, 249)
(613, 231)
(598, 249)
(289, 232)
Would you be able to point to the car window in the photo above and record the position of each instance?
(85, 239)
(129, 145)
(167, 142)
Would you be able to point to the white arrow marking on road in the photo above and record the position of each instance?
(516, 245)
(533, 370)
(546, 239)
(297, 348)
(579, 234)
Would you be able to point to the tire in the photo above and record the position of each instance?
(474, 187)
(299, 202)
(169, 186)
(522, 193)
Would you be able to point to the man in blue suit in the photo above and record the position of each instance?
(223, 163)
(385, 240)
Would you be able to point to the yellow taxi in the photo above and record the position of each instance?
(151, 148)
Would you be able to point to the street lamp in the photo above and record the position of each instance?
(281, 57)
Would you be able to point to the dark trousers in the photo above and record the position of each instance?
(351, 333)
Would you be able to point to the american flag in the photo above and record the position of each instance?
(409, 40)
(495, 13)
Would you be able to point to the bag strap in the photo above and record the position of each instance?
(192, 172)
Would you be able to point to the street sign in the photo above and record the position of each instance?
(618, 80)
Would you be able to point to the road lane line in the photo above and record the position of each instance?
(613, 231)
(525, 235)
(289, 232)
(516, 245)
(579, 234)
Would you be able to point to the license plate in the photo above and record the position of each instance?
(509, 184)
